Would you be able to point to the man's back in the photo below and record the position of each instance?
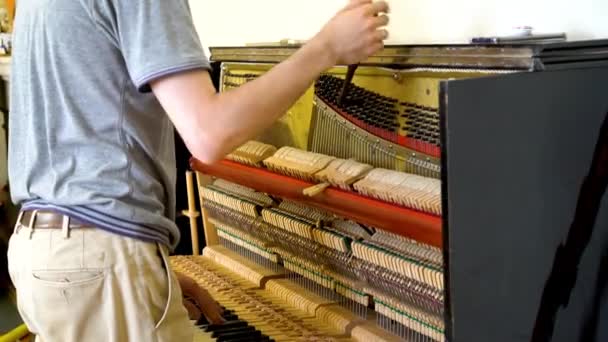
(85, 137)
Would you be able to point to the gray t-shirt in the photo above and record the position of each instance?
(87, 137)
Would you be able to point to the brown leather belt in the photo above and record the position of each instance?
(48, 220)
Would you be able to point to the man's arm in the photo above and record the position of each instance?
(213, 125)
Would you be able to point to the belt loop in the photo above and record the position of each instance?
(31, 224)
(18, 224)
(65, 226)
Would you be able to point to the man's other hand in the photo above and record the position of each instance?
(203, 302)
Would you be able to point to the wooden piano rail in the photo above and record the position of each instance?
(410, 223)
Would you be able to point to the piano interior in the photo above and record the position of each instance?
(328, 227)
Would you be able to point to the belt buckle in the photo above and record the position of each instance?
(31, 224)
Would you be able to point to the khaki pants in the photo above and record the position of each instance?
(87, 285)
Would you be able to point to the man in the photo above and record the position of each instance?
(97, 86)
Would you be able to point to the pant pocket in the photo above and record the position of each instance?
(68, 278)
(170, 286)
(174, 324)
(75, 298)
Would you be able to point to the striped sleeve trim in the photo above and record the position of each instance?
(143, 83)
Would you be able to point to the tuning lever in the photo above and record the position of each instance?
(350, 73)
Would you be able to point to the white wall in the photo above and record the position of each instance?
(236, 22)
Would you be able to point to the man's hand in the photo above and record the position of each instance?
(203, 302)
(356, 32)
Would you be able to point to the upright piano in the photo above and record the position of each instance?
(454, 193)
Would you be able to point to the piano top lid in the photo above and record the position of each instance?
(536, 56)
